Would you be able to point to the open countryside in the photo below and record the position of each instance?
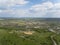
(29, 31)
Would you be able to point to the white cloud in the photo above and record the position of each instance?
(41, 9)
(43, 6)
(21, 13)
(46, 9)
(48, 4)
(13, 2)
(0, 11)
(14, 13)
(57, 5)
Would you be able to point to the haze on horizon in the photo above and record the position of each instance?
(30, 8)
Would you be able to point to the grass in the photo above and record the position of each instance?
(15, 39)
(57, 38)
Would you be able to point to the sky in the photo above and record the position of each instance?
(30, 8)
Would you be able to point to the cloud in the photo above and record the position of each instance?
(13, 2)
(7, 11)
(40, 10)
(57, 5)
(14, 13)
(54, 12)
(46, 9)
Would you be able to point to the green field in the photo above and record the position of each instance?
(14, 38)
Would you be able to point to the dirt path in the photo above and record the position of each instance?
(52, 38)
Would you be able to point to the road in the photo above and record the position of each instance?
(52, 38)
